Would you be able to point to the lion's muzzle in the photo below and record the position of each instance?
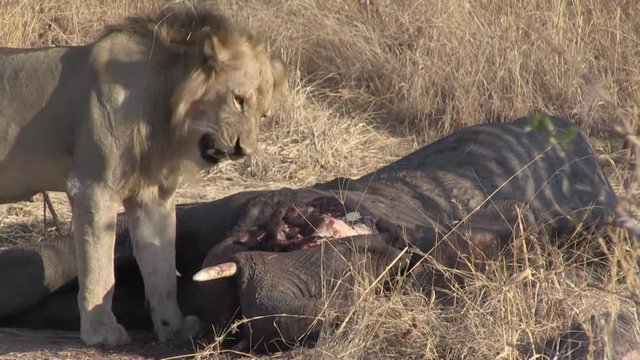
(213, 152)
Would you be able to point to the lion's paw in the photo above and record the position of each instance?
(110, 335)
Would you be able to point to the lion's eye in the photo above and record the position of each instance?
(238, 101)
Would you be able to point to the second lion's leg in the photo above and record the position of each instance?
(152, 225)
(94, 208)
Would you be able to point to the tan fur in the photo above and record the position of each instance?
(115, 121)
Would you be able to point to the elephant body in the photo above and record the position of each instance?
(470, 187)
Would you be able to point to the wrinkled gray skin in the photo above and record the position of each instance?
(300, 291)
(415, 201)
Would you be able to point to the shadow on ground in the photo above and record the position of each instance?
(52, 344)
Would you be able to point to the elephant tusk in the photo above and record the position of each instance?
(216, 272)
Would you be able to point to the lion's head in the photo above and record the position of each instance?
(237, 82)
(230, 82)
(223, 101)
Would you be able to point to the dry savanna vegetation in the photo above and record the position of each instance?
(372, 80)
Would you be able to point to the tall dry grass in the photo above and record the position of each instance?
(372, 80)
(27, 23)
(427, 67)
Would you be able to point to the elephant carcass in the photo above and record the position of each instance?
(459, 199)
(463, 183)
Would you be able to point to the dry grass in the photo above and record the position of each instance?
(372, 80)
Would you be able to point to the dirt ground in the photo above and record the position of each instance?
(49, 344)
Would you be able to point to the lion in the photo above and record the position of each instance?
(115, 122)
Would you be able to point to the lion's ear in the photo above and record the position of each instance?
(280, 73)
(213, 53)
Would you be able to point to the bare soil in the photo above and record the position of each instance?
(51, 344)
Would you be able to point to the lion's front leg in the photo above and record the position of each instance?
(94, 208)
(152, 225)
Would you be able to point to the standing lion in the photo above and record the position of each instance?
(114, 121)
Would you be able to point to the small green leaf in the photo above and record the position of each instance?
(543, 123)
